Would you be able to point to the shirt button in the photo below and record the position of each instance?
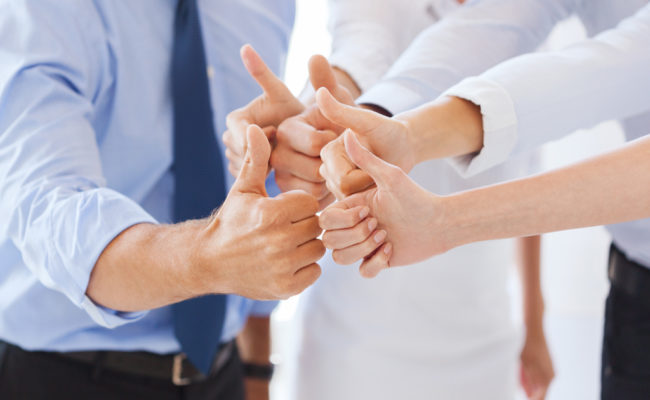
(210, 72)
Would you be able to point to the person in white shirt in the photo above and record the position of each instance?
(399, 336)
(483, 121)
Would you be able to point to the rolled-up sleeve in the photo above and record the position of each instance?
(54, 203)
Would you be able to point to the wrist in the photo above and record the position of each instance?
(455, 221)
(198, 256)
(447, 127)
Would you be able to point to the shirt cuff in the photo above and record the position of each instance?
(397, 97)
(499, 124)
(109, 318)
(113, 214)
(263, 308)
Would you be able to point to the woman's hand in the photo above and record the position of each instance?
(395, 223)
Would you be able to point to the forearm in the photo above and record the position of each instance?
(446, 127)
(528, 263)
(254, 343)
(492, 31)
(147, 266)
(608, 189)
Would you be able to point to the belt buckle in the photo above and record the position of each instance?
(177, 371)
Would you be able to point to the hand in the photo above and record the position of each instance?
(411, 217)
(536, 371)
(388, 138)
(268, 110)
(266, 248)
(296, 158)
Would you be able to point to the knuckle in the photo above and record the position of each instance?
(339, 257)
(276, 159)
(320, 250)
(282, 135)
(364, 231)
(327, 150)
(316, 189)
(328, 240)
(315, 143)
(325, 220)
(394, 174)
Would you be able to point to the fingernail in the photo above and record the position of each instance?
(372, 224)
(364, 212)
(380, 236)
(388, 249)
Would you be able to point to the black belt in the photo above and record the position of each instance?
(172, 367)
(629, 276)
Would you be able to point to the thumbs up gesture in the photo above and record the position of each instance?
(267, 248)
(301, 132)
(268, 110)
(389, 138)
(300, 138)
(408, 220)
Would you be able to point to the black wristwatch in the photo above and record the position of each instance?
(258, 371)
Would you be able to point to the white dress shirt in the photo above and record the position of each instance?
(479, 35)
(538, 97)
(439, 329)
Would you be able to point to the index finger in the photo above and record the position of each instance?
(340, 217)
(355, 181)
(299, 204)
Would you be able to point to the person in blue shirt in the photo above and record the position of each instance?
(117, 279)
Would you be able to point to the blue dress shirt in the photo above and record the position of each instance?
(86, 147)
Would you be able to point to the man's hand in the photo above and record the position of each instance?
(296, 159)
(265, 248)
(388, 138)
(276, 104)
(536, 366)
(253, 246)
(406, 213)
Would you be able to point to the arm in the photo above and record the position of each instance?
(149, 266)
(368, 36)
(540, 97)
(465, 43)
(536, 364)
(607, 189)
(254, 344)
(483, 120)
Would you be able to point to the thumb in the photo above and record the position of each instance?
(257, 68)
(379, 170)
(253, 173)
(360, 120)
(321, 73)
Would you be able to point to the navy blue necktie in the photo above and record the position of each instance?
(199, 177)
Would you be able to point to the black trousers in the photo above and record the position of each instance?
(625, 373)
(39, 376)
